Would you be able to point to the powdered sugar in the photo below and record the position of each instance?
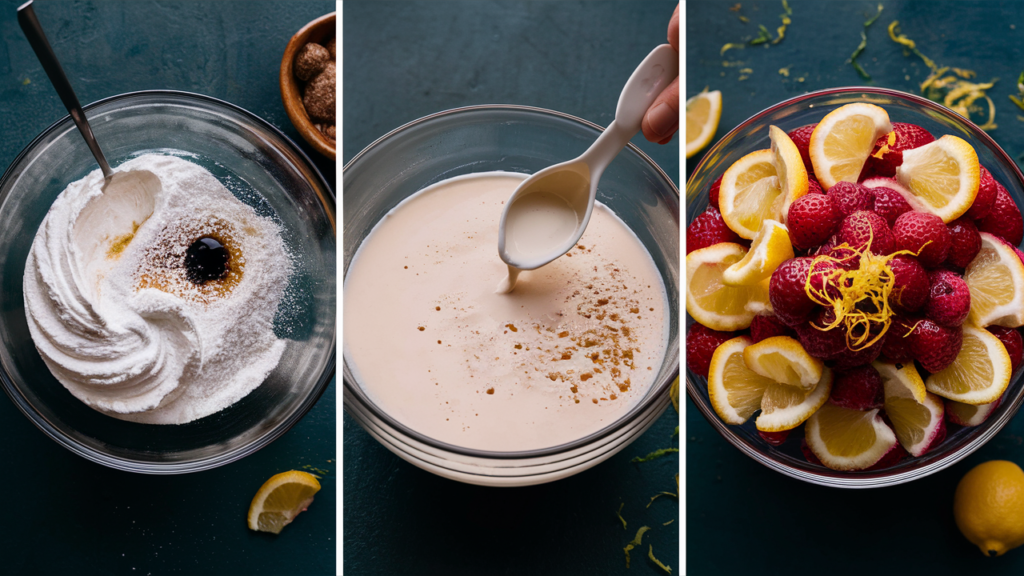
(115, 318)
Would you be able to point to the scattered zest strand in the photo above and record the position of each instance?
(863, 44)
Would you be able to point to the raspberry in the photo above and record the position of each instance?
(965, 243)
(775, 438)
(813, 187)
(923, 234)
(849, 197)
(1012, 341)
(891, 458)
(787, 294)
(903, 137)
(768, 325)
(935, 346)
(812, 220)
(850, 358)
(897, 344)
(858, 389)
(865, 230)
(802, 138)
(985, 199)
(890, 204)
(701, 343)
(708, 229)
(808, 455)
(823, 344)
(950, 299)
(846, 258)
(1004, 220)
(910, 286)
(827, 246)
(713, 193)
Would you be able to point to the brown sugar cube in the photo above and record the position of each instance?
(310, 61)
(332, 48)
(318, 96)
(330, 132)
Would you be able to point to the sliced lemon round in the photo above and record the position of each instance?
(750, 193)
(735, 390)
(979, 374)
(917, 423)
(996, 280)
(943, 177)
(769, 249)
(785, 407)
(702, 114)
(789, 166)
(904, 375)
(713, 303)
(846, 439)
(281, 499)
(843, 140)
(784, 360)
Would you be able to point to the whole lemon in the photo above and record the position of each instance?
(989, 506)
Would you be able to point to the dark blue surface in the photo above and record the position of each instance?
(65, 514)
(784, 526)
(402, 61)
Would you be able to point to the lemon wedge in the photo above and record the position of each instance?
(846, 439)
(281, 499)
(979, 374)
(782, 359)
(785, 407)
(942, 176)
(996, 280)
(918, 423)
(843, 140)
(735, 390)
(703, 112)
(770, 248)
(713, 303)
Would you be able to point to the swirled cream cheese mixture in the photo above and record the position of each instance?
(151, 298)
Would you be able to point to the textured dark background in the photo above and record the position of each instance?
(65, 515)
(781, 525)
(402, 61)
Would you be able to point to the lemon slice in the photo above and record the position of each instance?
(281, 499)
(943, 177)
(735, 390)
(750, 193)
(784, 360)
(702, 114)
(980, 373)
(996, 280)
(917, 423)
(843, 140)
(709, 300)
(770, 248)
(785, 407)
(789, 166)
(969, 414)
(904, 375)
(846, 439)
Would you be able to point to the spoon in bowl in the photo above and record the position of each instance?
(547, 214)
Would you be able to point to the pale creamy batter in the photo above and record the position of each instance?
(571, 349)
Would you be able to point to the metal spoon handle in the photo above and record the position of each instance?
(41, 46)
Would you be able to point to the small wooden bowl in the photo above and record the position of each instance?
(320, 31)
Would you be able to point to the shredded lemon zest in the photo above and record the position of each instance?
(655, 454)
(650, 554)
(872, 282)
(635, 542)
(660, 494)
(730, 46)
(619, 514)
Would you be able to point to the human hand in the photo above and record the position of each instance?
(662, 119)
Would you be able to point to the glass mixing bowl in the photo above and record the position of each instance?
(263, 169)
(511, 139)
(752, 135)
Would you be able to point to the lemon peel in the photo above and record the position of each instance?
(635, 542)
(660, 494)
(654, 455)
(650, 554)
(619, 514)
(871, 282)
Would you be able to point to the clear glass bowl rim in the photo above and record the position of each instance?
(201, 464)
(879, 479)
(660, 388)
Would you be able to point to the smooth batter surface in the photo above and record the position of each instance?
(568, 351)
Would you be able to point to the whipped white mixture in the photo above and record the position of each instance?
(113, 314)
(571, 349)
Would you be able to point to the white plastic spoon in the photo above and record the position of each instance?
(547, 214)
